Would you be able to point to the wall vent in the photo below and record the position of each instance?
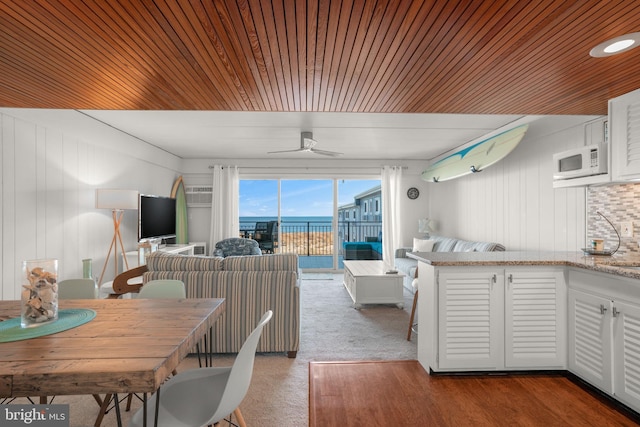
(200, 248)
(199, 195)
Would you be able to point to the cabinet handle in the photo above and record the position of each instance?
(602, 309)
(615, 312)
(511, 278)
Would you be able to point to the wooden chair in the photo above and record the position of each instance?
(121, 284)
(413, 327)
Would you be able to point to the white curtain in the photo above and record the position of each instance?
(224, 205)
(391, 187)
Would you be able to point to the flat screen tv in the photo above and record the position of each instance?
(157, 217)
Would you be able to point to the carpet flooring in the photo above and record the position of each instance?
(331, 330)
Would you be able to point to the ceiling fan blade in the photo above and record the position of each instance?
(325, 153)
(288, 151)
(306, 145)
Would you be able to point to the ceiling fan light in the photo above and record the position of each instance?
(616, 45)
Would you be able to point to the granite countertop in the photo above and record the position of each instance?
(619, 265)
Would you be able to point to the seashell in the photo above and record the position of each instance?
(37, 272)
(46, 295)
(41, 283)
(35, 302)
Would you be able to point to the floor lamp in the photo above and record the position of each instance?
(118, 201)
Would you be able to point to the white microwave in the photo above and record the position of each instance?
(580, 162)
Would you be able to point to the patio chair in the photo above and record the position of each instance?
(266, 235)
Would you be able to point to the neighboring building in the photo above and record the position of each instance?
(362, 219)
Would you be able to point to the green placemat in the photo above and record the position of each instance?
(10, 330)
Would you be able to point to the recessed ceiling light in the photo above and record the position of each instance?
(616, 45)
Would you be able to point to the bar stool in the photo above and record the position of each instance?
(413, 327)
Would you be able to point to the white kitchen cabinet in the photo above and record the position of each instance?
(626, 353)
(590, 339)
(470, 319)
(486, 323)
(604, 334)
(535, 318)
(624, 125)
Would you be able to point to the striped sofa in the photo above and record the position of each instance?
(409, 266)
(251, 285)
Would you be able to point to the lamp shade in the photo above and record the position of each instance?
(424, 225)
(107, 198)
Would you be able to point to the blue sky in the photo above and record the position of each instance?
(307, 197)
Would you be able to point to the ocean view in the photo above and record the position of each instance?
(248, 222)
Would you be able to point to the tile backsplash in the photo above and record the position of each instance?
(619, 203)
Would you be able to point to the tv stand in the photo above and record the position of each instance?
(184, 249)
(136, 258)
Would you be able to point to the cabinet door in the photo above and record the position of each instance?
(590, 339)
(625, 135)
(535, 320)
(470, 328)
(626, 353)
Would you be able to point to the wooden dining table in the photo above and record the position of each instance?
(131, 346)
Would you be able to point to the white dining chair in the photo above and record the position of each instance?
(157, 289)
(205, 396)
(77, 289)
(162, 288)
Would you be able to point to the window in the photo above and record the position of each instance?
(305, 210)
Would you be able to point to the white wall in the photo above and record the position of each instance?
(51, 165)
(513, 202)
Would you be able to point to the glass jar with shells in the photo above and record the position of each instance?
(39, 292)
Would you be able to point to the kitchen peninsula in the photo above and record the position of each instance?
(527, 311)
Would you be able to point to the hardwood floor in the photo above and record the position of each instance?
(402, 393)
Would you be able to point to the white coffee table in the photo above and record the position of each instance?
(368, 283)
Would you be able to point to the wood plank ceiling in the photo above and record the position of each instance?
(453, 56)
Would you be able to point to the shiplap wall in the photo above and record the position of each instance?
(47, 195)
(53, 162)
(513, 202)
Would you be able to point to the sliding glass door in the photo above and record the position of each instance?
(316, 217)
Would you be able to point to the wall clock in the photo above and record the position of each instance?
(413, 193)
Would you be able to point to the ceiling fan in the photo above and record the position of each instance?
(306, 145)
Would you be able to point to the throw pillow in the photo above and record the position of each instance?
(422, 245)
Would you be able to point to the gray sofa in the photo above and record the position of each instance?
(251, 285)
(409, 266)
